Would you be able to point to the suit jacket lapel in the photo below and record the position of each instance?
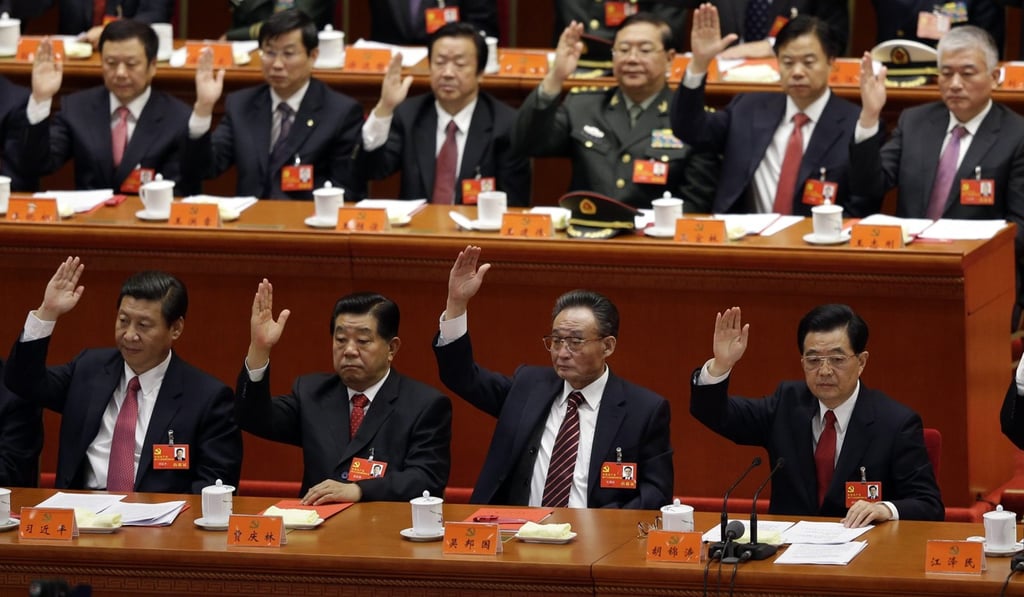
(303, 126)
(168, 403)
(609, 419)
(425, 133)
(534, 413)
(103, 131)
(616, 119)
(767, 118)
(827, 132)
(929, 152)
(333, 412)
(805, 412)
(477, 140)
(855, 443)
(258, 120)
(100, 390)
(984, 139)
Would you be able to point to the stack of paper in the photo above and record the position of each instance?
(963, 229)
(398, 209)
(147, 515)
(238, 204)
(835, 555)
(77, 201)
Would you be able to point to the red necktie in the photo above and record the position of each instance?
(825, 455)
(563, 456)
(444, 170)
(790, 166)
(119, 134)
(359, 402)
(945, 174)
(121, 466)
(99, 9)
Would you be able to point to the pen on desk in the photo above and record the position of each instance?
(498, 519)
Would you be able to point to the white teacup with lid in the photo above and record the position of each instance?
(217, 503)
(10, 33)
(427, 515)
(157, 196)
(1000, 529)
(332, 48)
(677, 517)
(667, 210)
(326, 201)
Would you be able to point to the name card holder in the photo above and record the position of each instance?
(222, 54)
(34, 210)
(674, 546)
(366, 60)
(517, 63)
(256, 531)
(27, 47)
(471, 538)
(868, 236)
(527, 225)
(954, 557)
(845, 73)
(195, 215)
(679, 64)
(700, 231)
(362, 219)
(50, 524)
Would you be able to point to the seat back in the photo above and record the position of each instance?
(933, 444)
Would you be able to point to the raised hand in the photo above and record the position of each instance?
(730, 341)
(706, 39)
(209, 84)
(264, 332)
(393, 89)
(47, 72)
(62, 291)
(872, 91)
(567, 57)
(464, 280)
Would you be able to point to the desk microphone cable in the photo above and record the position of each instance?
(1016, 565)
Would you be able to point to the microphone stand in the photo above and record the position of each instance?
(755, 550)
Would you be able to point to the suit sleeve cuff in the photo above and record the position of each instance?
(37, 112)
(36, 328)
(704, 378)
(198, 125)
(894, 513)
(692, 81)
(256, 375)
(375, 131)
(863, 134)
(452, 329)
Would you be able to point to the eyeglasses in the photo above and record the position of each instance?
(643, 528)
(285, 56)
(834, 361)
(642, 50)
(573, 345)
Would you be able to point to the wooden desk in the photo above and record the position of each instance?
(937, 313)
(359, 552)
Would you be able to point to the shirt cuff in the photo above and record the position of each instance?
(452, 329)
(863, 134)
(198, 125)
(256, 375)
(1020, 378)
(692, 81)
(36, 328)
(37, 112)
(376, 131)
(706, 379)
(544, 100)
(895, 514)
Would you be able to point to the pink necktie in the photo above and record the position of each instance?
(790, 166)
(945, 174)
(359, 402)
(119, 134)
(563, 457)
(444, 169)
(121, 466)
(825, 456)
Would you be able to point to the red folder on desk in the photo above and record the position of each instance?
(509, 519)
(325, 511)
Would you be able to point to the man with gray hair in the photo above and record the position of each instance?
(942, 154)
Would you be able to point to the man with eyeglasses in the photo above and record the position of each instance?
(452, 143)
(276, 132)
(615, 136)
(114, 132)
(780, 150)
(941, 153)
(564, 434)
(833, 432)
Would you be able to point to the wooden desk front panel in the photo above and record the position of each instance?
(937, 314)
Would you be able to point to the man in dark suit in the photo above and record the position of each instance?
(598, 22)
(363, 418)
(123, 407)
(830, 428)
(616, 136)
(756, 130)
(1011, 416)
(291, 121)
(404, 22)
(115, 131)
(13, 99)
(78, 17)
(559, 427)
(248, 16)
(988, 136)
(21, 440)
(409, 135)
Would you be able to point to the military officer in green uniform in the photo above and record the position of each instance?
(619, 139)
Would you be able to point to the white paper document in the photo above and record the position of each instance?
(963, 229)
(752, 223)
(822, 533)
(768, 531)
(411, 55)
(397, 208)
(96, 502)
(835, 555)
(238, 204)
(148, 515)
(910, 225)
(78, 201)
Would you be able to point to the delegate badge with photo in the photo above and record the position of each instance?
(170, 457)
(650, 172)
(616, 12)
(138, 177)
(869, 491)
(618, 475)
(297, 178)
(472, 187)
(816, 192)
(435, 18)
(363, 468)
(977, 192)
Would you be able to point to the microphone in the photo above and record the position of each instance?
(718, 549)
(755, 550)
(733, 531)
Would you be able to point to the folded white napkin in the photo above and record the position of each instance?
(88, 518)
(532, 530)
(293, 515)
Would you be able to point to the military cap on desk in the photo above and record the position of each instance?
(595, 216)
(596, 56)
(909, 63)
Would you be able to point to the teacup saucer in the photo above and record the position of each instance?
(400, 220)
(210, 526)
(1005, 551)
(814, 239)
(320, 222)
(660, 232)
(413, 536)
(9, 525)
(149, 216)
(486, 226)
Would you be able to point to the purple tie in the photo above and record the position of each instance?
(121, 467)
(945, 174)
(563, 457)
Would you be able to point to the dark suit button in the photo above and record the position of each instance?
(344, 476)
